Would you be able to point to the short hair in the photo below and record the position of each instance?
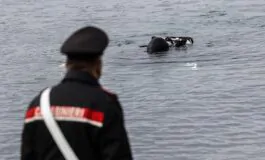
(82, 64)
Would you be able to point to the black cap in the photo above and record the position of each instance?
(86, 42)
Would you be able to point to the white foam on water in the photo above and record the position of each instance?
(192, 65)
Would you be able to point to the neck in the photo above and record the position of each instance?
(92, 73)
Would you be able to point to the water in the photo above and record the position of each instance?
(205, 102)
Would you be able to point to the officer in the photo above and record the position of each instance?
(90, 117)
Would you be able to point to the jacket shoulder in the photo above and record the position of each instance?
(109, 93)
(35, 101)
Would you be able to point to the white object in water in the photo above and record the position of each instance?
(176, 39)
(188, 42)
(53, 127)
(169, 44)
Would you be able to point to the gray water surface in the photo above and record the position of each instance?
(205, 102)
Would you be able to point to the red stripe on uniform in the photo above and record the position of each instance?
(30, 113)
(97, 116)
(68, 113)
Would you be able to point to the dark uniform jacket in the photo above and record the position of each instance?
(90, 118)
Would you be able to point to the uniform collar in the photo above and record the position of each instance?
(81, 76)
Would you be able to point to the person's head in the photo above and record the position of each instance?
(84, 50)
